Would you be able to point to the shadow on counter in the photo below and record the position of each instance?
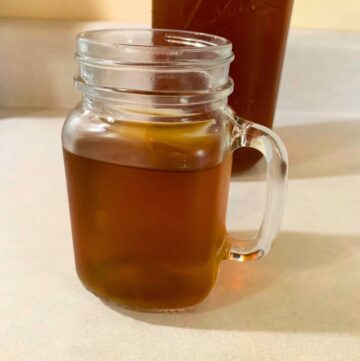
(305, 284)
(316, 150)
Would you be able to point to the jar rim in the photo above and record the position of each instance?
(166, 66)
(141, 45)
(203, 39)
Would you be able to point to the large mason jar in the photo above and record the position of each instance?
(148, 155)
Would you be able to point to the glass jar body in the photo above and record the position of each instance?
(148, 156)
(147, 195)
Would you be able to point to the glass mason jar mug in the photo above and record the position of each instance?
(148, 157)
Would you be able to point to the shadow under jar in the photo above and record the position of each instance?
(148, 156)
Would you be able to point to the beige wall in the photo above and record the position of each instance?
(320, 14)
(115, 10)
(327, 14)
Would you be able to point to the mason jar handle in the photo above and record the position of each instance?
(252, 135)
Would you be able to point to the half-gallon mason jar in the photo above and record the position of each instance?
(148, 161)
(258, 31)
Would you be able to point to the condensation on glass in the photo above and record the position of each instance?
(148, 155)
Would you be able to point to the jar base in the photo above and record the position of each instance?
(120, 306)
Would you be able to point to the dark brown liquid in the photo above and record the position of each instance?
(258, 30)
(145, 238)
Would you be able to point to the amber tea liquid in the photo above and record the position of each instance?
(258, 31)
(147, 238)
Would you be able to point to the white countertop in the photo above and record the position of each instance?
(301, 302)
